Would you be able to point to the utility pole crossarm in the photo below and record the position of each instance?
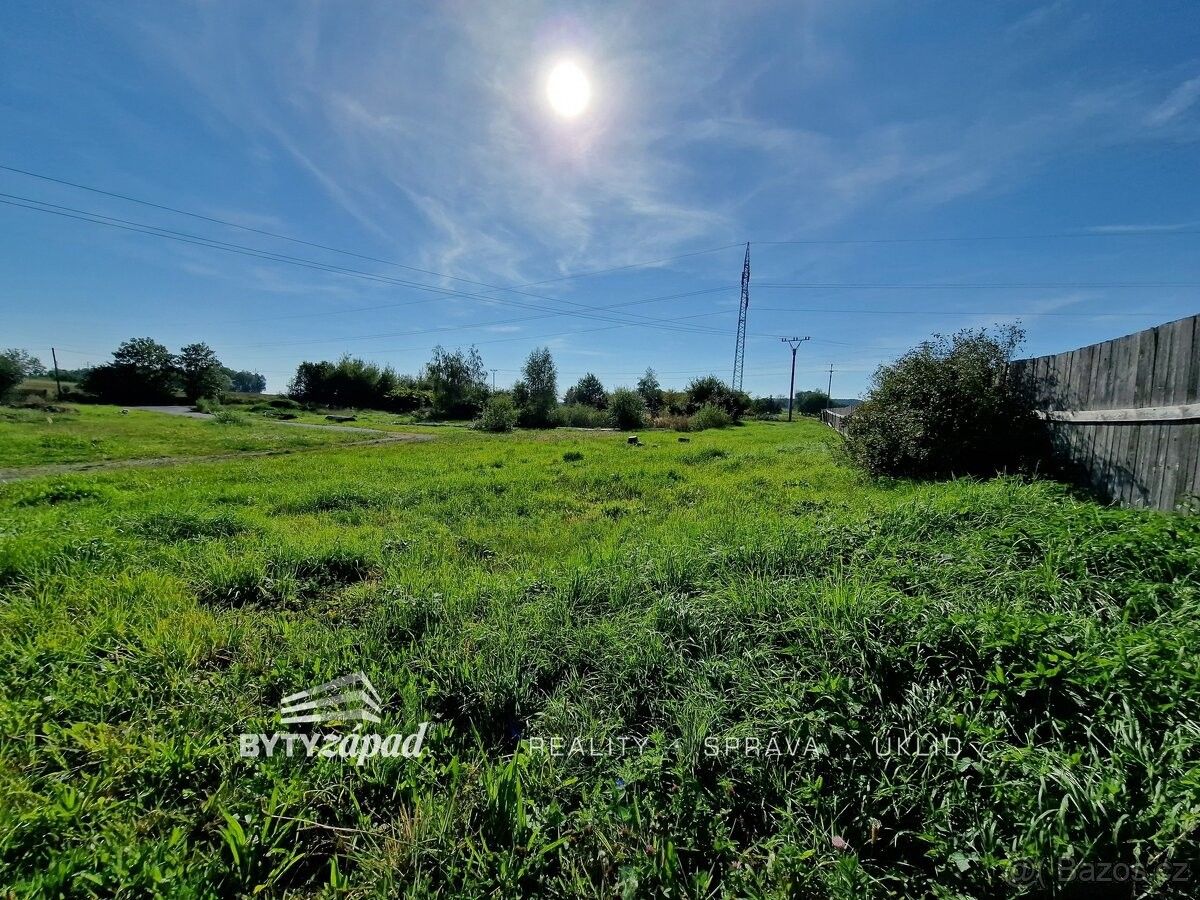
(794, 343)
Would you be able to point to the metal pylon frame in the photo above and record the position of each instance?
(739, 353)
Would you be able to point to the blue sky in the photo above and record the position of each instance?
(420, 134)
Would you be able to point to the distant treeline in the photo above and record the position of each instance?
(144, 371)
(451, 385)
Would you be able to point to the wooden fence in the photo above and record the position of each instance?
(1124, 414)
(836, 417)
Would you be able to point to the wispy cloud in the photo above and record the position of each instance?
(1178, 102)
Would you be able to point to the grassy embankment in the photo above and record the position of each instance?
(981, 682)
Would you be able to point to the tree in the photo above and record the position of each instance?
(540, 389)
(712, 391)
(142, 371)
(201, 372)
(947, 407)
(11, 375)
(31, 366)
(246, 382)
(627, 409)
(589, 392)
(810, 403)
(457, 382)
(651, 391)
(768, 406)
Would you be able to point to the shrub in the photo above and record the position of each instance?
(229, 417)
(627, 409)
(349, 382)
(709, 416)
(408, 399)
(577, 415)
(11, 374)
(712, 391)
(208, 405)
(283, 403)
(947, 407)
(499, 415)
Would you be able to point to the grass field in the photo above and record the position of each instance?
(974, 689)
(92, 433)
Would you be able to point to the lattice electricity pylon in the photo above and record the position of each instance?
(739, 353)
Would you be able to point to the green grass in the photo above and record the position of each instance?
(512, 588)
(87, 433)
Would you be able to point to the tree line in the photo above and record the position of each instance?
(141, 371)
(451, 385)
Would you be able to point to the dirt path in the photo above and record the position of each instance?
(21, 474)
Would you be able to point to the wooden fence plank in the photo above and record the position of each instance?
(1128, 412)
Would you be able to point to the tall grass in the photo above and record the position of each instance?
(993, 685)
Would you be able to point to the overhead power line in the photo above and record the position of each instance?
(184, 237)
(366, 257)
(971, 285)
(968, 238)
(939, 312)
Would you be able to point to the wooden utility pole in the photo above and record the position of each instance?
(57, 381)
(829, 389)
(794, 343)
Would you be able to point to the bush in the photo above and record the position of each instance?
(283, 403)
(577, 415)
(712, 391)
(348, 383)
(709, 416)
(499, 415)
(627, 409)
(11, 374)
(407, 399)
(947, 407)
(208, 405)
(229, 417)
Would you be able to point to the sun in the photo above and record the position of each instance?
(568, 89)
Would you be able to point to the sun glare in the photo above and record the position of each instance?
(568, 89)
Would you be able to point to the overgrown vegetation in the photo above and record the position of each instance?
(947, 407)
(985, 687)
